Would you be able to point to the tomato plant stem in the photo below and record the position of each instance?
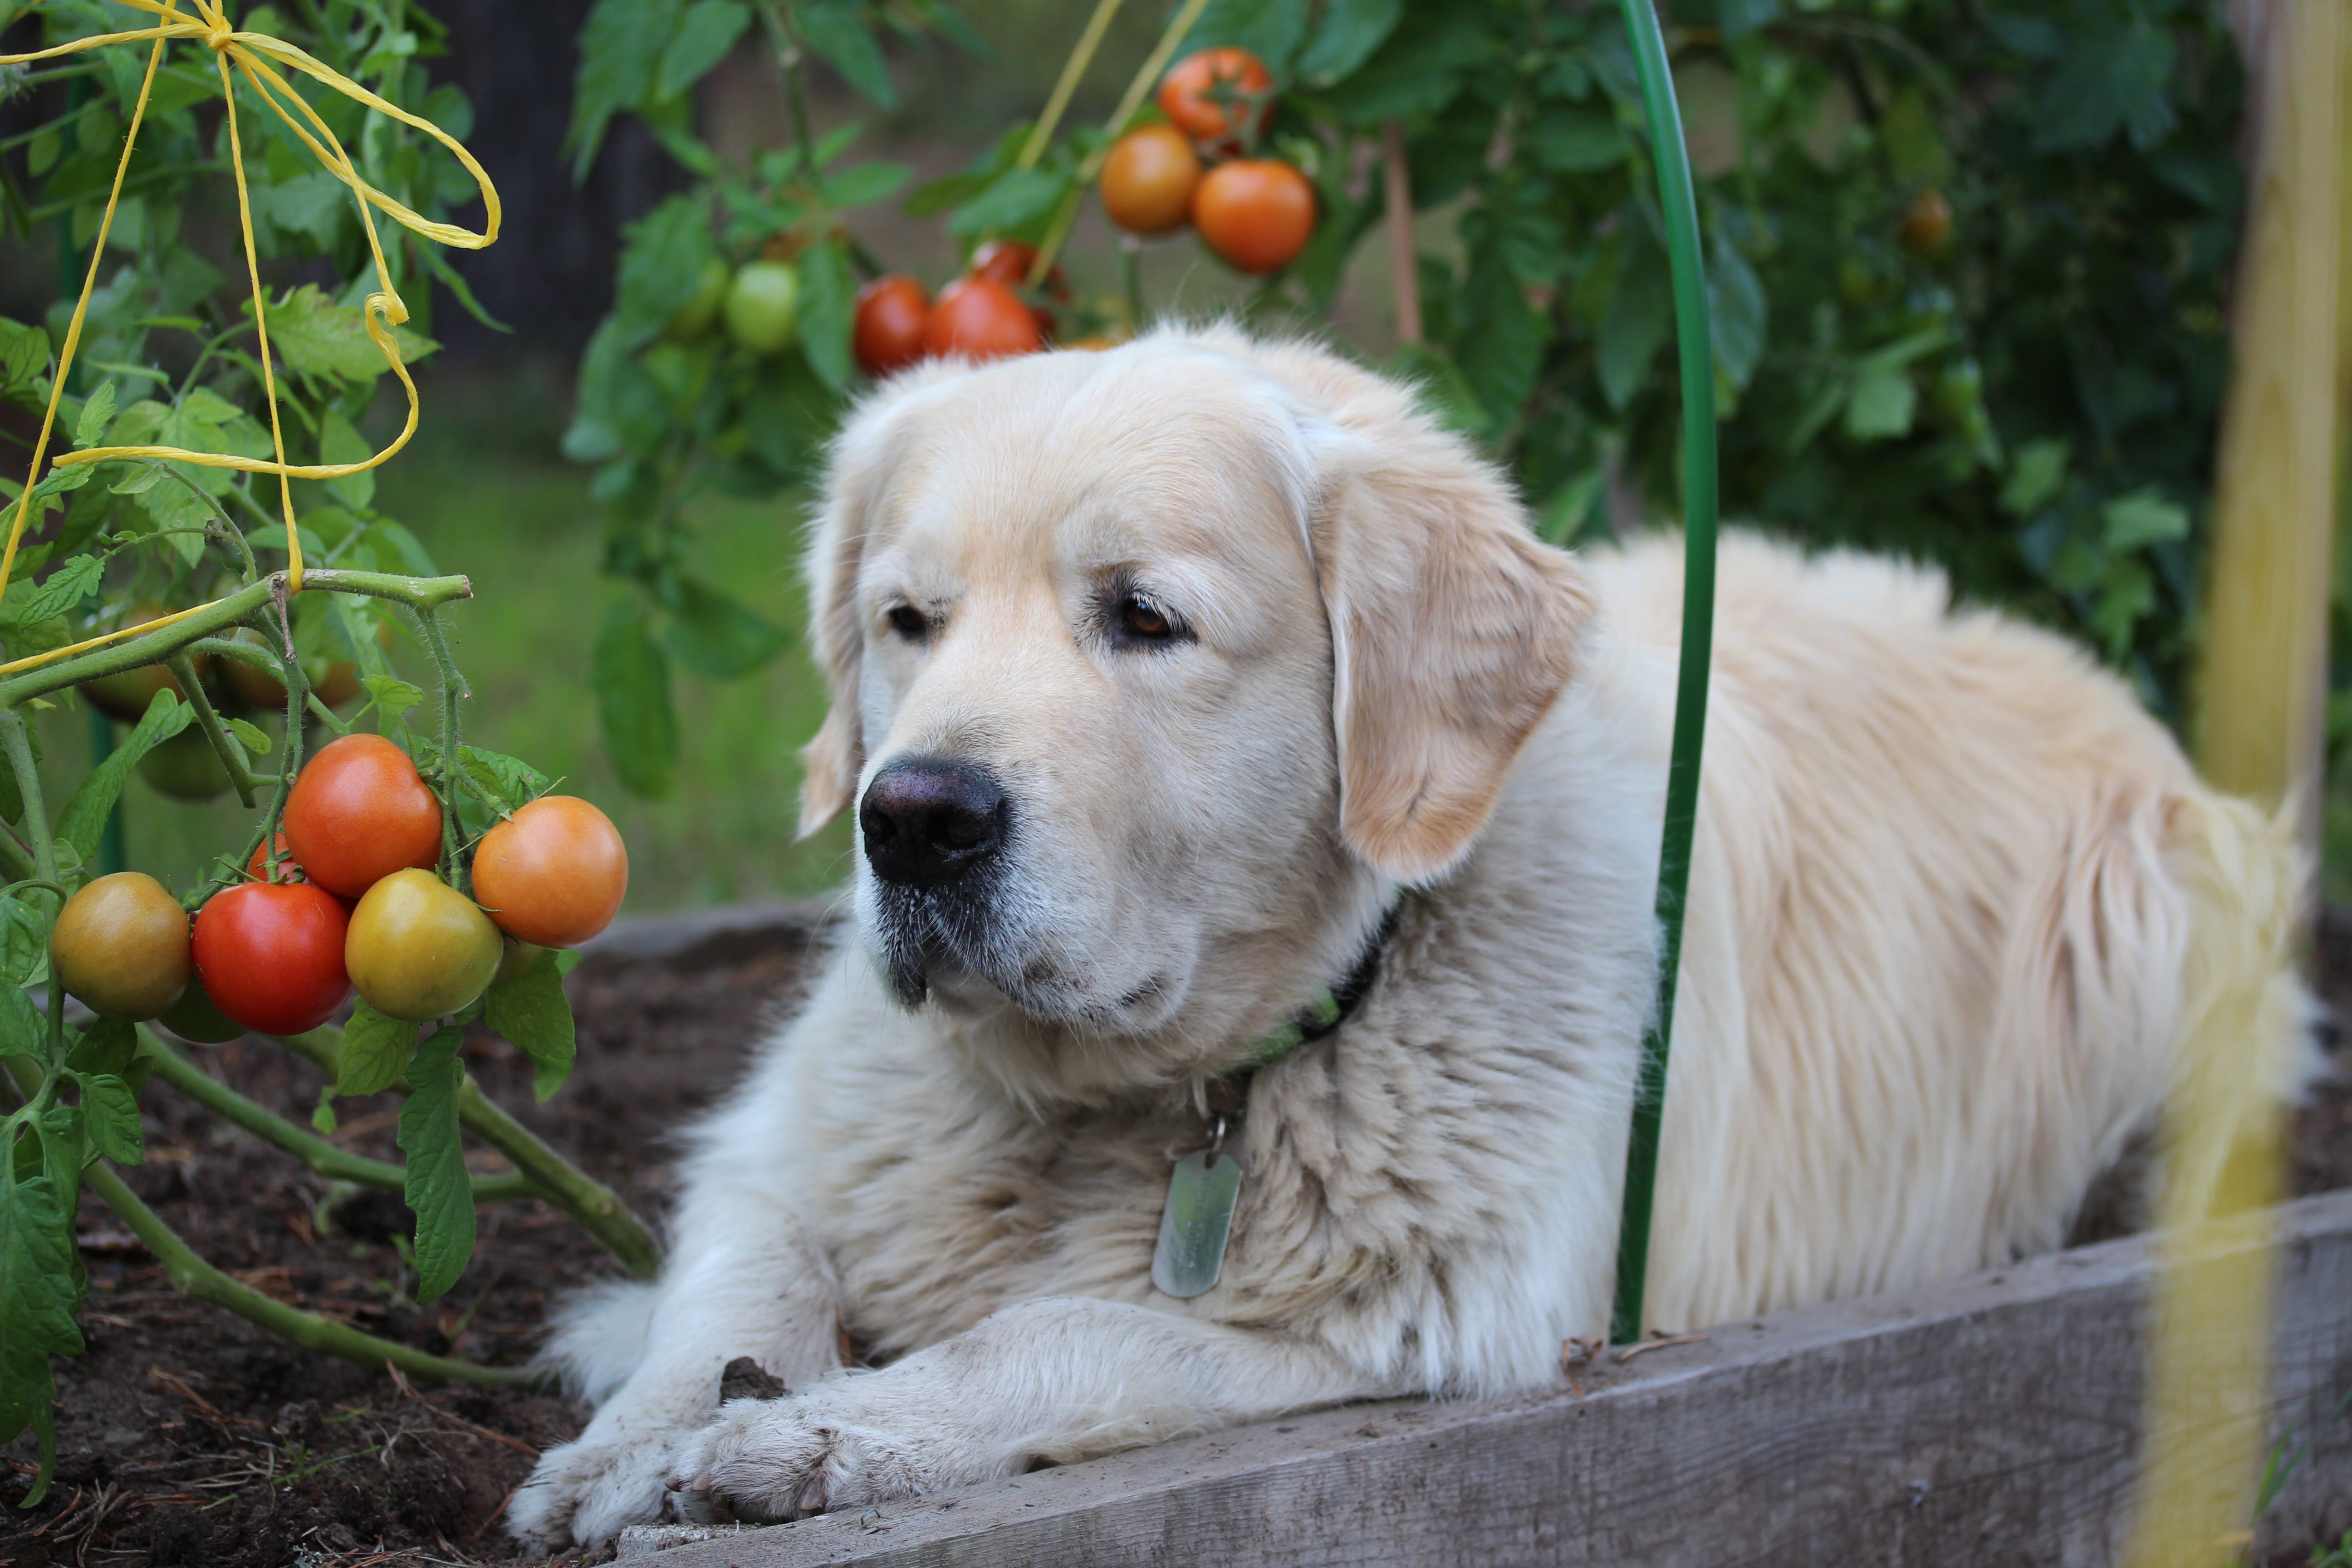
(1082, 56)
(1153, 65)
(232, 755)
(19, 751)
(417, 593)
(453, 685)
(192, 1276)
(597, 1208)
(340, 1165)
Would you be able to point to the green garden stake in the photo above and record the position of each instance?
(1695, 342)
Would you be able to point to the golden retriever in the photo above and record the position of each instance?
(1176, 684)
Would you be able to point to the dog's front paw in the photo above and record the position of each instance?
(583, 1493)
(764, 1461)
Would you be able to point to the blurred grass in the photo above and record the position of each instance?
(484, 489)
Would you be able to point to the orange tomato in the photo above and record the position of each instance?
(892, 313)
(553, 873)
(981, 319)
(1256, 213)
(1194, 93)
(1148, 180)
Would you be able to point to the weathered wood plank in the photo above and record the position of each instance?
(1993, 1420)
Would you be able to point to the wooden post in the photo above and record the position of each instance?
(2264, 691)
(2262, 731)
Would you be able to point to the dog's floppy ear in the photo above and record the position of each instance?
(857, 476)
(1452, 631)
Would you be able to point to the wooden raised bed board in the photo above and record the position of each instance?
(1995, 1420)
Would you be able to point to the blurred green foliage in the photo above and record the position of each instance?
(1968, 266)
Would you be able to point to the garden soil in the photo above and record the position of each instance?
(187, 1436)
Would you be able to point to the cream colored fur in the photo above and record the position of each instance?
(1961, 919)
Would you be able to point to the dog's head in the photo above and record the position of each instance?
(1153, 671)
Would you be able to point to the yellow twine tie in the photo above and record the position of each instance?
(251, 54)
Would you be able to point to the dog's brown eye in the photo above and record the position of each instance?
(908, 622)
(1141, 618)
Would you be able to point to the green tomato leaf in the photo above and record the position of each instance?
(1270, 29)
(1635, 327)
(250, 736)
(391, 694)
(108, 1047)
(1010, 200)
(24, 941)
(339, 442)
(38, 1294)
(828, 304)
(837, 33)
(530, 1010)
(631, 675)
(716, 636)
(1880, 402)
(1737, 297)
(866, 183)
(96, 414)
(84, 818)
(23, 1031)
(318, 337)
(438, 1192)
(512, 780)
(704, 35)
(376, 1051)
(2039, 473)
(61, 593)
(2143, 517)
(621, 47)
(111, 1118)
(1345, 36)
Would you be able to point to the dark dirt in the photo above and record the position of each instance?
(187, 1436)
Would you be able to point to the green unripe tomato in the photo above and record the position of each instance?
(185, 767)
(121, 946)
(764, 306)
(419, 949)
(698, 315)
(195, 1017)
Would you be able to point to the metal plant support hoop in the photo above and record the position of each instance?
(1694, 345)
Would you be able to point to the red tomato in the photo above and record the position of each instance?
(552, 873)
(1186, 96)
(1148, 180)
(981, 319)
(270, 955)
(1008, 261)
(892, 312)
(1256, 213)
(357, 812)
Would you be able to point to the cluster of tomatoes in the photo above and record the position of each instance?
(981, 315)
(1256, 213)
(345, 897)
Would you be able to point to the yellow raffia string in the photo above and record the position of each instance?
(250, 54)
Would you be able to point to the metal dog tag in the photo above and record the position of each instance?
(1201, 1194)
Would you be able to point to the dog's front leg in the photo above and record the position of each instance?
(1060, 1379)
(755, 1289)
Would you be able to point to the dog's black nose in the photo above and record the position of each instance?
(927, 821)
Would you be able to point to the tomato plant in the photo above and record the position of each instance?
(892, 314)
(209, 618)
(981, 319)
(1219, 97)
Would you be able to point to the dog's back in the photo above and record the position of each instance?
(1963, 918)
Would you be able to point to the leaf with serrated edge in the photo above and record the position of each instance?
(530, 1010)
(84, 818)
(36, 1303)
(375, 1052)
(438, 1192)
(109, 1114)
